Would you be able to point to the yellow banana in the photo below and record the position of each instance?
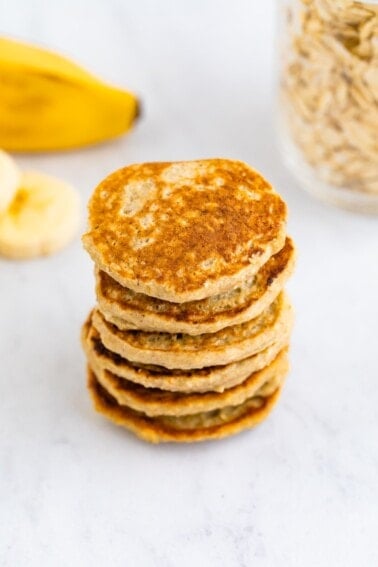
(10, 177)
(42, 218)
(49, 103)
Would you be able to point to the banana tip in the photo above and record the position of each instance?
(138, 109)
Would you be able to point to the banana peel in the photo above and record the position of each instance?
(49, 103)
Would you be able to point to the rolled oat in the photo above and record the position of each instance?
(329, 90)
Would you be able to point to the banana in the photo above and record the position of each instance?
(42, 218)
(9, 180)
(49, 103)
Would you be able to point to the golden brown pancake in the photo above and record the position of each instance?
(187, 351)
(154, 402)
(184, 231)
(215, 424)
(211, 378)
(130, 310)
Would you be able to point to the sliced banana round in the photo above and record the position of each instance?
(10, 177)
(42, 218)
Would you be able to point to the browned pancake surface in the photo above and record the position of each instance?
(213, 425)
(186, 351)
(156, 402)
(184, 230)
(211, 378)
(205, 315)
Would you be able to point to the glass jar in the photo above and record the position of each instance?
(328, 98)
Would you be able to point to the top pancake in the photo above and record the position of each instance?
(184, 231)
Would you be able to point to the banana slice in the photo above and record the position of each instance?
(42, 218)
(10, 177)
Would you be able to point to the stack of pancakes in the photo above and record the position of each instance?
(190, 334)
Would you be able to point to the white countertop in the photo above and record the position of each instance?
(302, 489)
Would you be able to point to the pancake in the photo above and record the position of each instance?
(155, 402)
(187, 351)
(215, 424)
(212, 378)
(127, 309)
(184, 231)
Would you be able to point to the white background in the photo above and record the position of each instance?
(301, 490)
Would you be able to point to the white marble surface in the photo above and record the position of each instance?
(302, 489)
